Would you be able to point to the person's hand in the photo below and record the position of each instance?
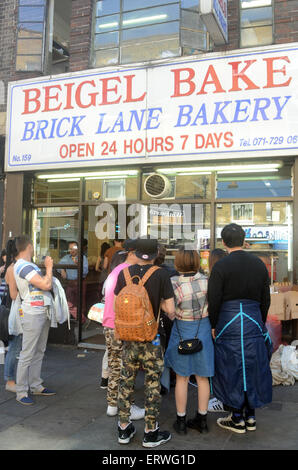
(2, 269)
(48, 262)
(213, 333)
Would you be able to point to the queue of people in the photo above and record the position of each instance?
(158, 317)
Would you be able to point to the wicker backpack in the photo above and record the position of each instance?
(134, 316)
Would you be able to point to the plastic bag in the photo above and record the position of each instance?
(284, 365)
(274, 328)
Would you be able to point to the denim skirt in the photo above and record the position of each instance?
(200, 363)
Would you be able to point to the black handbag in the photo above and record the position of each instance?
(190, 346)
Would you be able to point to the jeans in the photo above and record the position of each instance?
(14, 349)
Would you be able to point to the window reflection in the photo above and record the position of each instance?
(256, 22)
(181, 30)
(31, 18)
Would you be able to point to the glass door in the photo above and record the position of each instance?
(56, 234)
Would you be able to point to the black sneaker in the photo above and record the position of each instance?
(199, 423)
(155, 438)
(125, 435)
(228, 423)
(104, 383)
(250, 423)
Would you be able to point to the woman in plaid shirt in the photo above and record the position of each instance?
(190, 289)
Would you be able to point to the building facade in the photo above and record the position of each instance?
(125, 118)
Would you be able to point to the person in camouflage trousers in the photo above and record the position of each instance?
(149, 357)
(114, 348)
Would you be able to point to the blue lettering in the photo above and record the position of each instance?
(75, 126)
(239, 110)
(99, 130)
(138, 120)
(152, 117)
(41, 126)
(29, 127)
(59, 126)
(187, 114)
(261, 109)
(118, 122)
(219, 112)
(279, 108)
(202, 114)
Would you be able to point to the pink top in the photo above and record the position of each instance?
(110, 284)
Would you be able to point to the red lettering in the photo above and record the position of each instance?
(271, 71)
(214, 80)
(68, 95)
(236, 75)
(48, 98)
(106, 90)
(228, 136)
(92, 95)
(31, 99)
(178, 81)
(63, 151)
(129, 98)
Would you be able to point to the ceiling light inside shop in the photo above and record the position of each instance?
(223, 168)
(106, 174)
(226, 172)
(60, 180)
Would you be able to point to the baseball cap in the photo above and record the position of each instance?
(130, 244)
(146, 249)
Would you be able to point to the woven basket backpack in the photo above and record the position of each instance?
(134, 316)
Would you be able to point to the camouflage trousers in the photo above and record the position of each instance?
(114, 348)
(150, 359)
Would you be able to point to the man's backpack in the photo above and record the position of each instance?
(134, 316)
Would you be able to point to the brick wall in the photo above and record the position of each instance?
(80, 34)
(286, 21)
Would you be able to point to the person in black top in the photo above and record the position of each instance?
(147, 354)
(238, 303)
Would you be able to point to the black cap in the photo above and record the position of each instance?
(146, 249)
(130, 244)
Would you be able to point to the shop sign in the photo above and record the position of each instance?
(240, 104)
(214, 13)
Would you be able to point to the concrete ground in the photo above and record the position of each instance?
(75, 418)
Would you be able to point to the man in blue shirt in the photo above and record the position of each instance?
(72, 258)
(71, 275)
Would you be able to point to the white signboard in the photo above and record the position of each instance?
(217, 106)
(214, 13)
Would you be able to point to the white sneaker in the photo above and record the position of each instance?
(136, 413)
(215, 405)
(112, 410)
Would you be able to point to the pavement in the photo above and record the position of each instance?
(75, 418)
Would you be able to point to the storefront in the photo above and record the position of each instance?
(173, 150)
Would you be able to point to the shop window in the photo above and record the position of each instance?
(268, 233)
(275, 184)
(181, 184)
(114, 189)
(134, 30)
(256, 23)
(30, 35)
(48, 192)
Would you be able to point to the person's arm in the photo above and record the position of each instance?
(214, 296)
(168, 306)
(105, 262)
(265, 297)
(11, 282)
(98, 264)
(44, 282)
(85, 266)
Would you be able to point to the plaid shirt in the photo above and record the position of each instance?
(190, 296)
